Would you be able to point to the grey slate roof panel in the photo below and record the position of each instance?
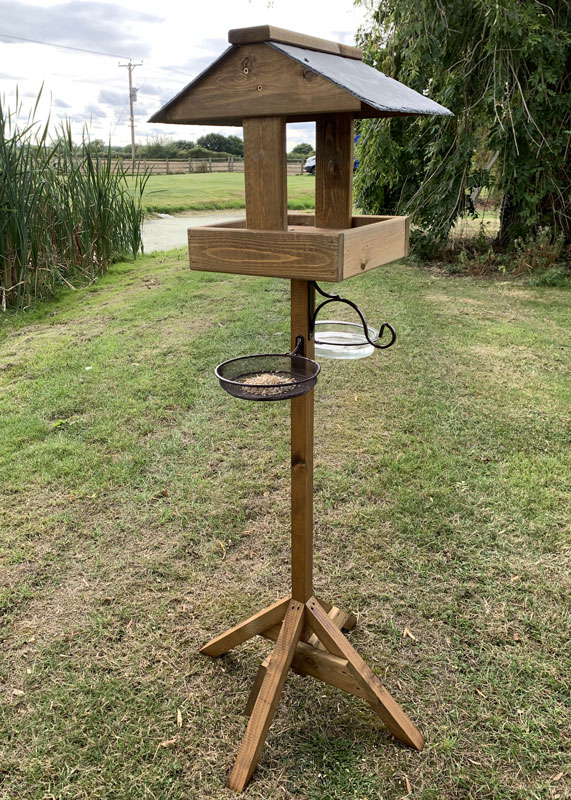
(364, 82)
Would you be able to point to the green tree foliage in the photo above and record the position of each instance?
(303, 149)
(160, 147)
(222, 144)
(503, 69)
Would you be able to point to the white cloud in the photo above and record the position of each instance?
(176, 40)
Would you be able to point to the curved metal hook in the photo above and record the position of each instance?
(298, 346)
(335, 298)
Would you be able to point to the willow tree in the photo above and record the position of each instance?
(503, 68)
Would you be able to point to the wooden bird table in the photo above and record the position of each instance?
(307, 631)
(268, 77)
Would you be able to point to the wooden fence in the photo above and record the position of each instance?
(178, 166)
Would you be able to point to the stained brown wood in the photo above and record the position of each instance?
(256, 81)
(313, 660)
(379, 698)
(303, 251)
(309, 661)
(301, 414)
(245, 630)
(265, 173)
(268, 698)
(341, 619)
(334, 171)
(297, 219)
(270, 33)
(369, 246)
(258, 680)
(276, 254)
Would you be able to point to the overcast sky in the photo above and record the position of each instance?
(175, 40)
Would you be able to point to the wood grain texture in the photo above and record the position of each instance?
(303, 251)
(341, 619)
(270, 33)
(308, 220)
(245, 630)
(268, 698)
(258, 680)
(370, 246)
(257, 81)
(315, 663)
(301, 415)
(311, 659)
(380, 700)
(334, 171)
(265, 173)
(274, 254)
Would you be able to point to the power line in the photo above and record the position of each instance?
(157, 70)
(63, 46)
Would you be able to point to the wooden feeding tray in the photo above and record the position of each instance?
(303, 250)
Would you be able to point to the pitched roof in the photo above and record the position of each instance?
(266, 72)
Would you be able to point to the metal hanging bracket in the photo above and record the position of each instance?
(335, 298)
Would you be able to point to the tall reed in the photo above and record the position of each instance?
(65, 212)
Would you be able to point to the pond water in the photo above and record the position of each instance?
(165, 232)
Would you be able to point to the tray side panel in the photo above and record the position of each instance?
(370, 246)
(273, 254)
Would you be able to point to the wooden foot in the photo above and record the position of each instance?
(269, 616)
(383, 704)
(267, 700)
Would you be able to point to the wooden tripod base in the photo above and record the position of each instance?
(309, 640)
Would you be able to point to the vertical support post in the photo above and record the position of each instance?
(302, 300)
(334, 171)
(333, 209)
(265, 173)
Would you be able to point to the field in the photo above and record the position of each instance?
(201, 192)
(142, 511)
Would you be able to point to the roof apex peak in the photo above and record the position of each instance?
(270, 33)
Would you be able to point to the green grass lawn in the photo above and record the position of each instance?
(143, 511)
(200, 192)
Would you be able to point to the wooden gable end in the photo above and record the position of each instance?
(256, 81)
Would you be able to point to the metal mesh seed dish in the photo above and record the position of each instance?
(268, 376)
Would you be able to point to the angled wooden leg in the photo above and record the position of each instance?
(305, 660)
(350, 619)
(388, 709)
(255, 690)
(339, 618)
(267, 700)
(245, 630)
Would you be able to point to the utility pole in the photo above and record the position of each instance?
(132, 97)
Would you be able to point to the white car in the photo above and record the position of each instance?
(310, 165)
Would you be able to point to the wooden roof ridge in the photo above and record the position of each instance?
(270, 33)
